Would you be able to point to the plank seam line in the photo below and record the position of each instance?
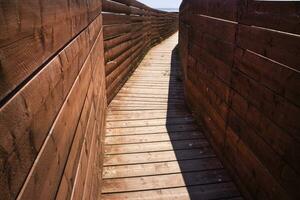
(50, 132)
(112, 135)
(142, 119)
(128, 109)
(23, 83)
(139, 163)
(186, 186)
(169, 161)
(162, 174)
(134, 119)
(140, 126)
(155, 151)
(193, 139)
(171, 132)
(108, 144)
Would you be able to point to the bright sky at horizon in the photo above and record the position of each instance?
(162, 3)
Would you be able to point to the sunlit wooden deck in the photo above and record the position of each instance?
(153, 148)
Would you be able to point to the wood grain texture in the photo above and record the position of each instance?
(32, 33)
(240, 64)
(28, 131)
(56, 59)
(55, 109)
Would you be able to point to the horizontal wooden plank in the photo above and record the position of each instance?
(108, 44)
(281, 47)
(155, 146)
(207, 7)
(205, 192)
(116, 51)
(83, 132)
(37, 104)
(46, 169)
(247, 95)
(155, 137)
(277, 109)
(218, 28)
(145, 114)
(111, 31)
(151, 122)
(115, 7)
(171, 180)
(151, 129)
(135, 158)
(283, 16)
(110, 18)
(273, 75)
(151, 169)
(27, 46)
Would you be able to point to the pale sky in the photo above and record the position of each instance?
(162, 3)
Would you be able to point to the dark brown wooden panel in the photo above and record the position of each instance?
(282, 16)
(54, 155)
(110, 18)
(31, 33)
(241, 80)
(223, 9)
(34, 113)
(281, 47)
(114, 7)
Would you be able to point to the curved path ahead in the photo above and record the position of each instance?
(153, 147)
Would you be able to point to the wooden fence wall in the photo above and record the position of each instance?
(53, 89)
(130, 30)
(242, 79)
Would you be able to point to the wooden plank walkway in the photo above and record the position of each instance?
(153, 148)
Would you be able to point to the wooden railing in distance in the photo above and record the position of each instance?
(242, 77)
(130, 30)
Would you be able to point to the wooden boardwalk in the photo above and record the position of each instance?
(153, 148)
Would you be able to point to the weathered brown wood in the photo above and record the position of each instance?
(163, 181)
(54, 141)
(114, 7)
(149, 122)
(116, 51)
(117, 40)
(240, 64)
(280, 47)
(148, 169)
(150, 114)
(218, 190)
(67, 182)
(153, 137)
(83, 131)
(135, 158)
(283, 16)
(30, 35)
(273, 75)
(41, 109)
(155, 146)
(227, 9)
(53, 89)
(140, 30)
(109, 19)
(111, 31)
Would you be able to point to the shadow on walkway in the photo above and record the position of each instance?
(201, 170)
